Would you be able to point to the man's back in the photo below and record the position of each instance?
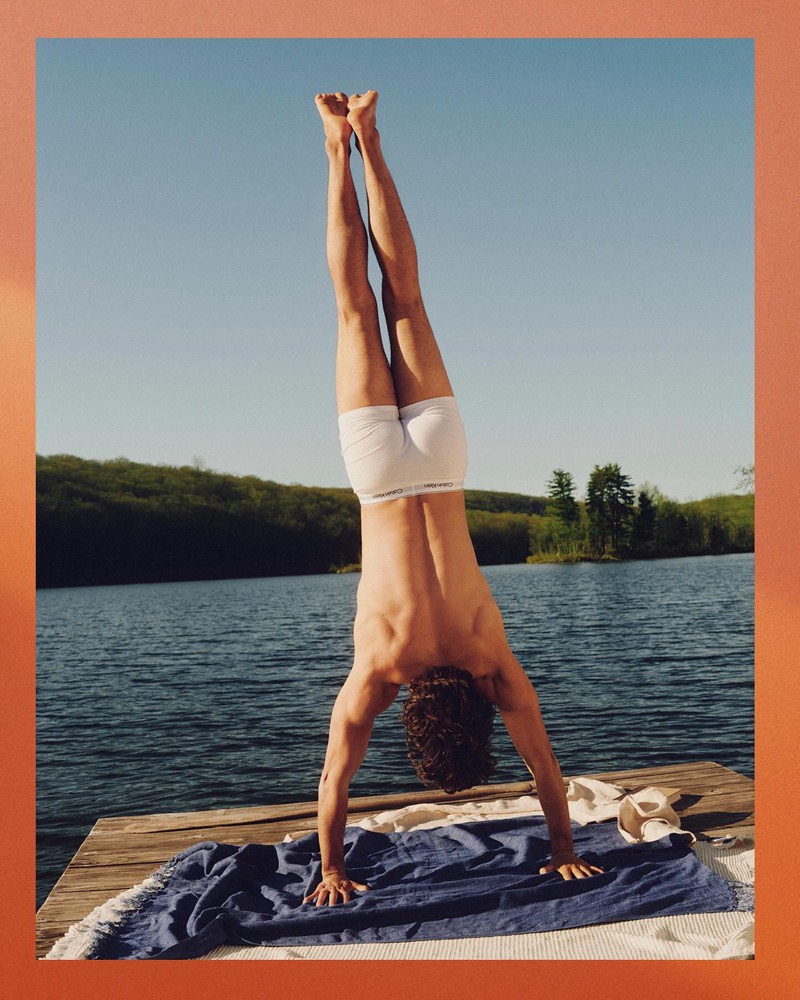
(422, 600)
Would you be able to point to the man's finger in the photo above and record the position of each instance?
(360, 887)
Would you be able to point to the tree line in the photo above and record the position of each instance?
(107, 522)
(127, 522)
(616, 522)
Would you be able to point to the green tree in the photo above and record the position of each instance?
(499, 538)
(609, 505)
(561, 494)
(502, 503)
(564, 514)
(644, 525)
(672, 528)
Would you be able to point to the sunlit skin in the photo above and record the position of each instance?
(422, 600)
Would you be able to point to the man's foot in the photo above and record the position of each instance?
(361, 110)
(333, 112)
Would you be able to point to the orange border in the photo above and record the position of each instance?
(778, 370)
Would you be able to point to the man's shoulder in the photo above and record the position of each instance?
(489, 635)
(369, 687)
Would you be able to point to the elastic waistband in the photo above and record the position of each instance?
(433, 486)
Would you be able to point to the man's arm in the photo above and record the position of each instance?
(519, 708)
(359, 702)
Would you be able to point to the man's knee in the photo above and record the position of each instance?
(402, 300)
(356, 309)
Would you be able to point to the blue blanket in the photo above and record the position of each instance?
(465, 880)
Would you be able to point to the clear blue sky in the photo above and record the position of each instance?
(583, 213)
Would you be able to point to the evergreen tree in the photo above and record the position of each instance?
(597, 511)
(563, 514)
(644, 525)
(609, 504)
(561, 494)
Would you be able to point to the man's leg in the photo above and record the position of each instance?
(363, 376)
(417, 367)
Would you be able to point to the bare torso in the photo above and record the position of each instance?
(422, 601)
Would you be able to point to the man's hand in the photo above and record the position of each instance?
(569, 865)
(334, 888)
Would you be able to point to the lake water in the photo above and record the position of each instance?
(181, 696)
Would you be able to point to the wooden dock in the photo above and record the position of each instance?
(122, 851)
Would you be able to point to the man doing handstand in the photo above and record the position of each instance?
(425, 615)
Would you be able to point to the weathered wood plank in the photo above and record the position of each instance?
(122, 851)
(296, 810)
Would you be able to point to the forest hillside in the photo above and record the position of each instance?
(106, 522)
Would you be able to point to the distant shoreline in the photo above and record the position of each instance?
(120, 522)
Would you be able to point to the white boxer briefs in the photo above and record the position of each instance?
(391, 453)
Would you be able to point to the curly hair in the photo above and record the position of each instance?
(448, 730)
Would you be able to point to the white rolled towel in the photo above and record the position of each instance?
(647, 815)
(643, 815)
(592, 801)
